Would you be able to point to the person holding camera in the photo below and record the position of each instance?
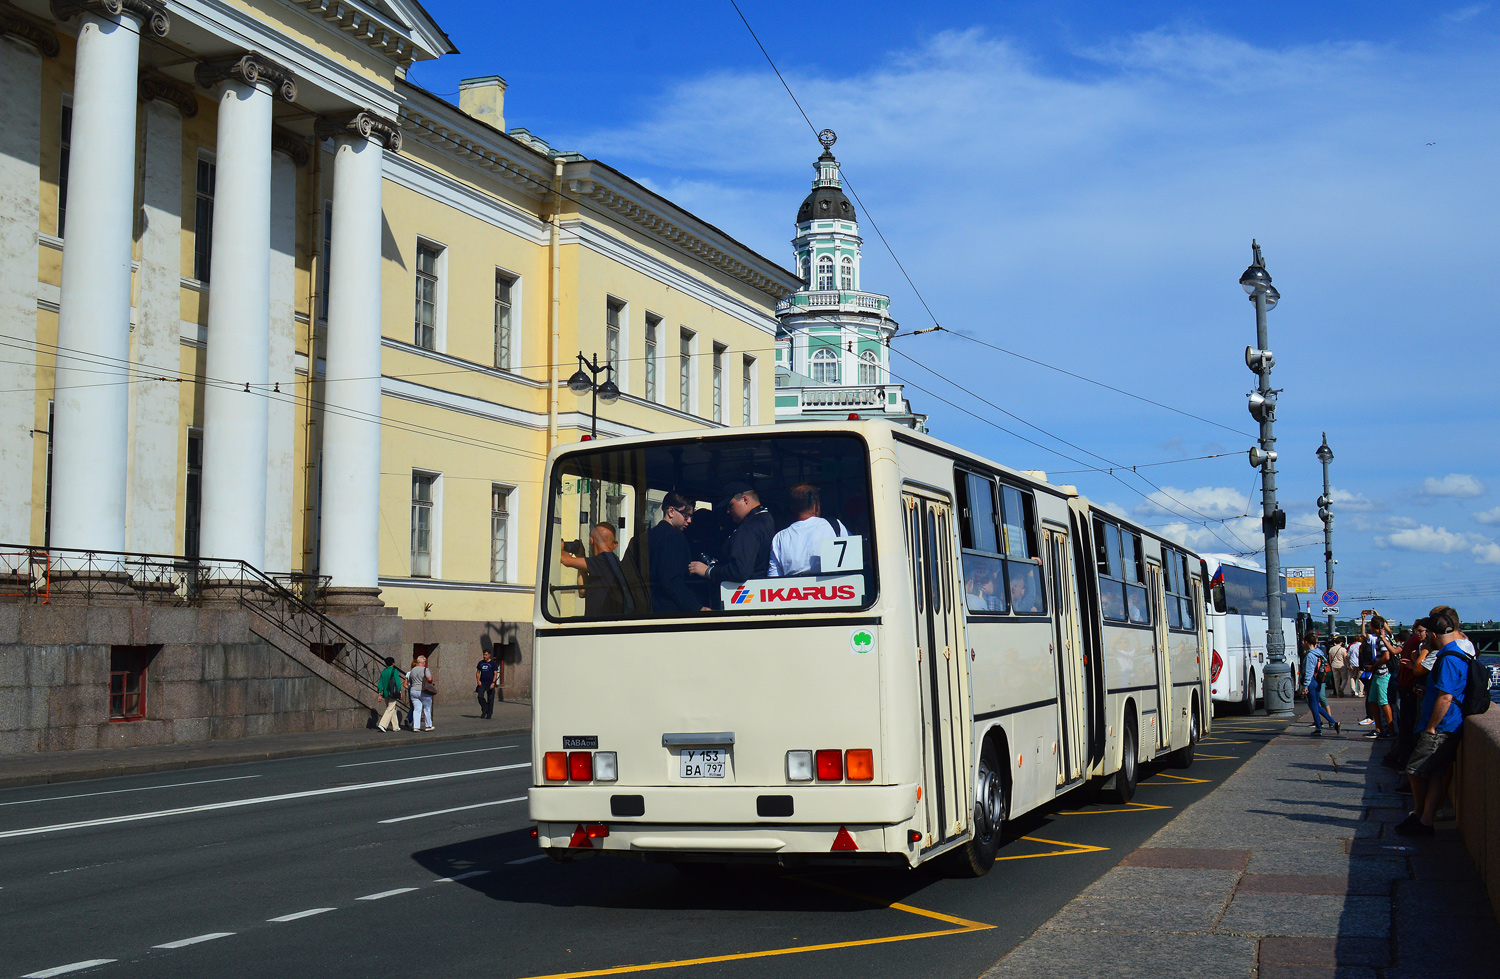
(600, 577)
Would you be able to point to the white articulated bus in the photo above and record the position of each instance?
(1237, 619)
(960, 643)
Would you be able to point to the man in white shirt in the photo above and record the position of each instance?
(797, 549)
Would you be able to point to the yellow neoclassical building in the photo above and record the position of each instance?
(263, 299)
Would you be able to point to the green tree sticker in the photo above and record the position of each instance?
(861, 642)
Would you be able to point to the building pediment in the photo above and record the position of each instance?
(401, 29)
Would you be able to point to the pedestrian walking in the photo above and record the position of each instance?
(421, 686)
(1338, 662)
(1315, 671)
(486, 679)
(389, 686)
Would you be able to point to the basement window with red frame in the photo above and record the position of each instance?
(127, 681)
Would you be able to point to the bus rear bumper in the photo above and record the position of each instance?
(726, 804)
(787, 845)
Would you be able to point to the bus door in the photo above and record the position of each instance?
(1164, 705)
(943, 666)
(1205, 657)
(1072, 698)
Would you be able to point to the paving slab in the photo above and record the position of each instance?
(1161, 883)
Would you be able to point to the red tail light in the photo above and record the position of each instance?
(830, 763)
(555, 766)
(860, 764)
(596, 831)
(581, 766)
(1215, 665)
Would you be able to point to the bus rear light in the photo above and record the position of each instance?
(914, 836)
(534, 833)
(606, 766)
(580, 766)
(555, 766)
(843, 841)
(581, 838)
(1215, 666)
(596, 831)
(799, 766)
(830, 765)
(859, 764)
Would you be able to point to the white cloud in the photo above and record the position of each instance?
(1427, 539)
(1488, 517)
(1454, 484)
(1215, 502)
(1343, 500)
(1400, 523)
(1487, 553)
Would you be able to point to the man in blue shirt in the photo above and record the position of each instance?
(1430, 765)
(486, 673)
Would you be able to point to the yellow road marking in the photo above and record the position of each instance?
(1075, 848)
(1129, 807)
(964, 926)
(1217, 757)
(1207, 741)
(1179, 780)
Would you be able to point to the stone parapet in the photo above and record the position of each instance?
(1476, 796)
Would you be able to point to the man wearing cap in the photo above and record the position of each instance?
(747, 552)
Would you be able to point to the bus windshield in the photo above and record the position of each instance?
(1243, 591)
(710, 526)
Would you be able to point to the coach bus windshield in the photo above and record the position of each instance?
(710, 527)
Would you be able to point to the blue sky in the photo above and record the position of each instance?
(1079, 183)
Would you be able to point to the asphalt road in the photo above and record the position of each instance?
(417, 859)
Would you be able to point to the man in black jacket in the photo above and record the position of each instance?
(747, 553)
(668, 553)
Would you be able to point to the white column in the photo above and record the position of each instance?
(235, 419)
(155, 418)
(282, 411)
(92, 395)
(351, 430)
(20, 153)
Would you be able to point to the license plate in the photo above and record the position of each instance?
(703, 762)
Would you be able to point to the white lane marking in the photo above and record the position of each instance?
(300, 914)
(444, 812)
(376, 897)
(472, 873)
(531, 859)
(143, 788)
(61, 969)
(185, 942)
(445, 754)
(237, 803)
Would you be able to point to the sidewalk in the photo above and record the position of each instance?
(1289, 870)
(455, 723)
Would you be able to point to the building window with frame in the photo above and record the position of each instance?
(869, 368)
(614, 311)
(127, 681)
(685, 370)
(747, 391)
(64, 154)
(423, 487)
(1121, 566)
(425, 333)
(203, 220)
(824, 365)
(653, 324)
(325, 274)
(193, 494)
(846, 275)
(825, 274)
(499, 532)
(503, 286)
(719, 349)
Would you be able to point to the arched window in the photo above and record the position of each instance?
(846, 275)
(825, 273)
(869, 368)
(825, 361)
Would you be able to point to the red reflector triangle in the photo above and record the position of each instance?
(843, 841)
(581, 838)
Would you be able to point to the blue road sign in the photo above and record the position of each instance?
(1330, 598)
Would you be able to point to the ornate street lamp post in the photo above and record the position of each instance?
(581, 384)
(1325, 510)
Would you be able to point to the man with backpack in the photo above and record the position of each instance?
(1456, 686)
(1315, 673)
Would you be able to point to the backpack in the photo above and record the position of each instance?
(1367, 654)
(1476, 688)
(1320, 668)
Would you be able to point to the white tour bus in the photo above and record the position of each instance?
(970, 643)
(1237, 631)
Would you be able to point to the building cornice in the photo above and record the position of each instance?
(443, 127)
(14, 23)
(402, 43)
(422, 179)
(151, 13)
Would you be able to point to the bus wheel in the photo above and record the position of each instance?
(1125, 778)
(1183, 757)
(1248, 704)
(991, 800)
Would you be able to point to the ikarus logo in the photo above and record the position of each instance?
(741, 596)
(861, 641)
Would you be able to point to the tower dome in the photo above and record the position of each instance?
(827, 201)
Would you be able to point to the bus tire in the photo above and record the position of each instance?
(1183, 757)
(1247, 703)
(1125, 778)
(991, 802)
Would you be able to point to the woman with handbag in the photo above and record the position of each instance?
(421, 685)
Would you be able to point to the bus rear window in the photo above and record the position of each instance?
(710, 527)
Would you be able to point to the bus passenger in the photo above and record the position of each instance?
(1135, 606)
(747, 552)
(605, 594)
(1025, 595)
(795, 550)
(979, 586)
(1112, 600)
(669, 552)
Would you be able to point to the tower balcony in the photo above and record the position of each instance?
(835, 300)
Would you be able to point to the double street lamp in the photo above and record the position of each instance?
(1278, 674)
(581, 384)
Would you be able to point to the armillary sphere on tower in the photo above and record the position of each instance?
(828, 137)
